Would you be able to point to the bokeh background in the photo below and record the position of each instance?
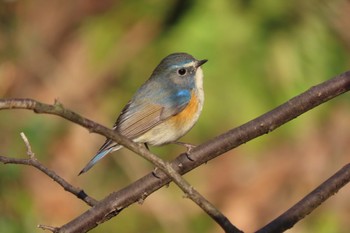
(92, 55)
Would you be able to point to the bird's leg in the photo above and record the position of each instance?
(146, 145)
(154, 172)
(189, 148)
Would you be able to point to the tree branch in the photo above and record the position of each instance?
(32, 161)
(29, 148)
(58, 109)
(310, 202)
(117, 201)
(140, 189)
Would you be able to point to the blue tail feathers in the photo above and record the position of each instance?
(95, 159)
(108, 147)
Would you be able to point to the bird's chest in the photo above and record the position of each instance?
(176, 126)
(184, 120)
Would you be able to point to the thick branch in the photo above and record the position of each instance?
(115, 202)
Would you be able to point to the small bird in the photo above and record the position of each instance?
(164, 108)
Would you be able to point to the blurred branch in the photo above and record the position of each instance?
(139, 190)
(310, 202)
(32, 161)
(166, 168)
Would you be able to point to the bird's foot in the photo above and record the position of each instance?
(155, 171)
(189, 148)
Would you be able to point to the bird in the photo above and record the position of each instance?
(163, 109)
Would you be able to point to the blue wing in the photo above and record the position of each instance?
(145, 112)
(149, 107)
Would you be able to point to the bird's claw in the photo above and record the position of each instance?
(154, 172)
(189, 148)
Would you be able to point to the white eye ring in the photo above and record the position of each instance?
(182, 71)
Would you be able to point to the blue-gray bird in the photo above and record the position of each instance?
(164, 108)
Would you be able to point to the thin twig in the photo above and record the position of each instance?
(29, 148)
(32, 161)
(49, 228)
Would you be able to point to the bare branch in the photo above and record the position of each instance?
(58, 109)
(117, 201)
(310, 202)
(195, 196)
(190, 192)
(29, 148)
(32, 161)
(49, 228)
(140, 189)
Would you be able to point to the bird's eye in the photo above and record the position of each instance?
(181, 71)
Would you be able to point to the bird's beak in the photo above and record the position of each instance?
(200, 62)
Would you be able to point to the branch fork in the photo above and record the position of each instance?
(171, 171)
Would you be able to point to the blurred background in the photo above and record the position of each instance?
(92, 55)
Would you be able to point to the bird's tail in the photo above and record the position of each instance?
(105, 149)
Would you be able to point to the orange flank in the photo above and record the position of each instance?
(186, 115)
